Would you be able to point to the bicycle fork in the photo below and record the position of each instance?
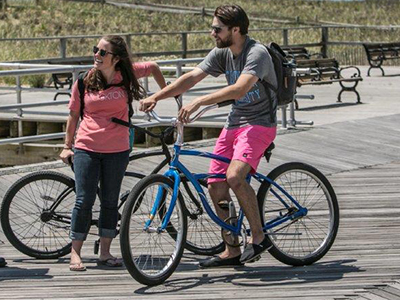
(160, 200)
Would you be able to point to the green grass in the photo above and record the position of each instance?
(23, 19)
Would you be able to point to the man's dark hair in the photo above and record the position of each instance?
(233, 16)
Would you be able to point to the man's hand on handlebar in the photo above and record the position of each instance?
(186, 111)
(147, 104)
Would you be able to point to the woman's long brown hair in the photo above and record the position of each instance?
(95, 80)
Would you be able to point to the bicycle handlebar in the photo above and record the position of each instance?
(225, 103)
(126, 124)
(173, 121)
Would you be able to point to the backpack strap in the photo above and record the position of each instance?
(81, 88)
(268, 87)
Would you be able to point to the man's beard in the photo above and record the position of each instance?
(224, 43)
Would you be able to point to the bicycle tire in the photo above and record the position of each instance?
(24, 218)
(152, 256)
(305, 240)
(204, 235)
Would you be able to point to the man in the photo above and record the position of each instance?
(251, 125)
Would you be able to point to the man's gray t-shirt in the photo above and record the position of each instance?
(255, 107)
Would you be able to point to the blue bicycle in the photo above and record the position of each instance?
(297, 204)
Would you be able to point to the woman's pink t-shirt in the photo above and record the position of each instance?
(97, 132)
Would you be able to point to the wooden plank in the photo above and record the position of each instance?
(364, 254)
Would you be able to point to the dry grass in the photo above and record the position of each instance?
(62, 18)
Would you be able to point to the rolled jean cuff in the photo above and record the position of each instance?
(107, 233)
(77, 236)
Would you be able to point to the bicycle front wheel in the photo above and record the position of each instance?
(36, 214)
(307, 239)
(150, 254)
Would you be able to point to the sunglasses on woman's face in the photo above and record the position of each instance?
(102, 52)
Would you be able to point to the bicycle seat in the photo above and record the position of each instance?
(268, 151)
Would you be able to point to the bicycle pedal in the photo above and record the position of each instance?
(223, 204)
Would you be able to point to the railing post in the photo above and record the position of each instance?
(75, 75)
(63, 47)
(19, 97)
(128, 41)
(3, 4)
(284, 116)
(184, 44)
(19, 113)
(324, 41)
(178, 69)
(285, 36)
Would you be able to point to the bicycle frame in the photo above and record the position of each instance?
(176, 166)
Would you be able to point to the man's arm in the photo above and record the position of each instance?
(181, 85)
(232, 92)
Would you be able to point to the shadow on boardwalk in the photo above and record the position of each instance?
(260, 276)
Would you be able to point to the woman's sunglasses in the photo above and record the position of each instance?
(102, 52)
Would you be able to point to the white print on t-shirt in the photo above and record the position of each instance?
(114, 95)
(252, 95)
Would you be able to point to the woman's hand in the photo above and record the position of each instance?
(187, 110)
(67, 156)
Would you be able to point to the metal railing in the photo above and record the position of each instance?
(29, 69)
(326, 39)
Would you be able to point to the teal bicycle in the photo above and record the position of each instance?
(297, 204)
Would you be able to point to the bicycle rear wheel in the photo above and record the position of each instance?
(204, 235)
(305, 240)
(36, 214)
(149, 254)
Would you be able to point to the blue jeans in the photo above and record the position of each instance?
(91, 168)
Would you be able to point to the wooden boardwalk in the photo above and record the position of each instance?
(360, 156)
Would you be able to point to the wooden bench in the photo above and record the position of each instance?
(378, 52)
(299, 52)
(327, 71)
(65, 80)
(60, 80)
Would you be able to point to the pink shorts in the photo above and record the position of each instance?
(246, 144)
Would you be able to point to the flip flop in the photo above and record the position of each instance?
(112, 262)
(79, 267)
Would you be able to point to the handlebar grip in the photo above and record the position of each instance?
(225, 103)
(124, 123)
(120, 122)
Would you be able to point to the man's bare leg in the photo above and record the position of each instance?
(219, 191)
(236, 179)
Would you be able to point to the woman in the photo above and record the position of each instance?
(101, 151)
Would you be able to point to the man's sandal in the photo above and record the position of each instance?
(252, 252)
(216, 261)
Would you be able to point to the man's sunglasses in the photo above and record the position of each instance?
(217, 29)
(102, 51)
